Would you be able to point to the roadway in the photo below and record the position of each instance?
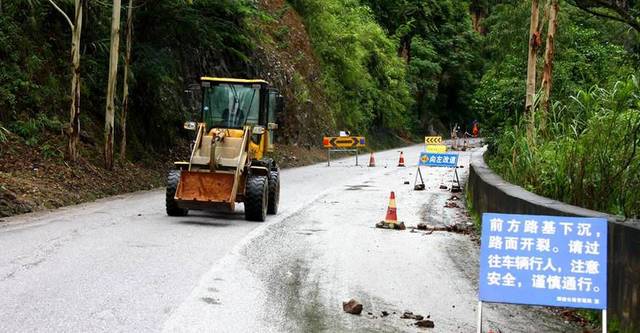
(120, 264)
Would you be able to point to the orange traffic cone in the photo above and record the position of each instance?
(391, 220)
(401, 162)
(372, 160)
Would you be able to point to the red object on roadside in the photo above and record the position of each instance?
(401, 161)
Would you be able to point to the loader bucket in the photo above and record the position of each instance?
(206, 187)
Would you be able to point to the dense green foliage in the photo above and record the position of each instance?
(174, 44)
(587, 154)
(436, 40)
(361, 72)
(406, 67)
(382, 70)
(586, 55)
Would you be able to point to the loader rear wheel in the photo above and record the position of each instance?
(173, 178)
(256, 198)
(274, 192)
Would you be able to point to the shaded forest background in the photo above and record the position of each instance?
(393, 70)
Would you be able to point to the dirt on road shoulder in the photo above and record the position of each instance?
(34, 178)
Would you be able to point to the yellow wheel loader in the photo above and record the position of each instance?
(228, 162)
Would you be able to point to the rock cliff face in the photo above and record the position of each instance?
(285, 58)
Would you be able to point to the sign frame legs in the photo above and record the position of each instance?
(455, 180)
(355, 150)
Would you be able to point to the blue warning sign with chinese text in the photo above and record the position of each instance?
(438, 160)
(544, 260)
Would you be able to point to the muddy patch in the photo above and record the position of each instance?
(430, 212)
(211, 300)
(357, 187)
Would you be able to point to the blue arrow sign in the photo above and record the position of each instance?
(448, 160)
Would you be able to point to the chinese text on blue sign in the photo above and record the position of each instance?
(439, 160)
(544, 260)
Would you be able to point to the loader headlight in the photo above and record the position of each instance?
(190, 125)
(258, 130)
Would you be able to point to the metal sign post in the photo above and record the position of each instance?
(337, 150)
(456, 181)
(421, 186)
(479, 326)
(343, 144)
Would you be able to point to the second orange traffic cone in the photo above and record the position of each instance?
(401, 161)
(372, 160)
(391, 219)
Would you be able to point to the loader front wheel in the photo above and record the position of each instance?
(274, 192)
(173, 178)
(256, 198)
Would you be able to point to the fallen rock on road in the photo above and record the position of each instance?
(352, 307)
(451, 204)
(394, 226)
(425, 323)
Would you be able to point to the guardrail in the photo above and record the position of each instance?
(488, 192)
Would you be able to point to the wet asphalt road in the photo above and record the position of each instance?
(122, 265)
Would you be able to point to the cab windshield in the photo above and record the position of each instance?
(231, 105)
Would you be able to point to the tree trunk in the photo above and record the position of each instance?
(125, 85)
(111, 85)
(476, 21)
(74, 114)
(404, 51)
(547, 74)
(534, 42)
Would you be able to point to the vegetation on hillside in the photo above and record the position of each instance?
(375, 67)
(585, 152)
(174, 43)
(378, 70)
(436, 40)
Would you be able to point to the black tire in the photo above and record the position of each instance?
(274, 192)
(256, 198)
(173, 178)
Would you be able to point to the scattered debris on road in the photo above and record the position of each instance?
(443, 187)
(461, 228)
(451, 205)
(420, 320)
(410, 315)
(352, 307)
(211, 300)
(574, 317)
(425, 323)
(385, 313)
(394, 226)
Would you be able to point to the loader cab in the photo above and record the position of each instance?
(237, 103)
